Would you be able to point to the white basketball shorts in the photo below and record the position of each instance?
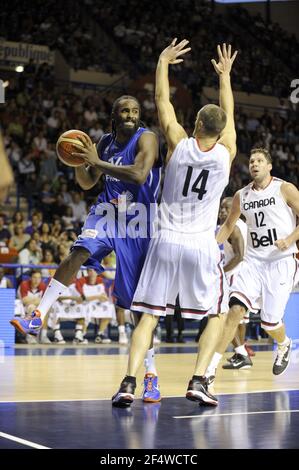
(188, 266)
(265, 285)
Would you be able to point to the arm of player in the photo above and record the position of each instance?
(171, 129)
(6, 172)
(228, 136)
(87, 176)
(228, 226)
(147, 154)
(291, 195)
(237, 242)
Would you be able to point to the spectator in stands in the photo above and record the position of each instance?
(34, 225)
(17, 219)
(5, 234)
(96, 132)
(30, 254)
(30, 292)
(93, 292)
(5, 282)
(48, 259)
(19, 238)
(79, 207)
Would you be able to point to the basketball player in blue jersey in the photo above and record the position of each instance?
(129, 160)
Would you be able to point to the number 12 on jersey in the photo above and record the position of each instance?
(202, 179)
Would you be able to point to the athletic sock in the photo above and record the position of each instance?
(149, 362)
(213, 364)
(241, 350)
(54, 290)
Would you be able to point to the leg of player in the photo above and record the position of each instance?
(198, 385)
(120, 315)
(284, 349)
(63, 276)
(235, 314)
(140, 343)
(101, 336)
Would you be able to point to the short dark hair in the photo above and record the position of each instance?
(122, 98)
(213, 119)
(262, 150)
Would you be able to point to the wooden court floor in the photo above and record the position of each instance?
(59, 397)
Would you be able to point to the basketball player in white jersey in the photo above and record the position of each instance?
(266, 276)
(183, 256)
(234, 248)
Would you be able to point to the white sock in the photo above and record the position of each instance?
(54, 290)
(213, 364)
(241, 350)
(285, 342)
(121, 329)
(149, 362)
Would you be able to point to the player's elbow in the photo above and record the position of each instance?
(139, 179)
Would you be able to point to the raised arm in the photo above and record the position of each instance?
(6, 172)
(172, 130)
(147, 154)
(229, 225)
(226, 99)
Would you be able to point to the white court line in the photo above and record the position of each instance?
(236, 414)
(22, 441)
(61, 400)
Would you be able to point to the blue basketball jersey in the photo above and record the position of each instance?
(124, 154)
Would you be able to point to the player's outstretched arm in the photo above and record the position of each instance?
(223, 68)
(228, 226)
(172, 130)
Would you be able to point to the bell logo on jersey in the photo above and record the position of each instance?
(265, 240)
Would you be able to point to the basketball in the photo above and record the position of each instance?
(65, 147)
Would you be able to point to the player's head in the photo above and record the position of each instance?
(125, 115)
(210, 121)
(225, 207)
(260, 164)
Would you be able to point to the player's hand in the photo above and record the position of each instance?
(173, 51)
(282, 244)
(88, 152)
(225, 59)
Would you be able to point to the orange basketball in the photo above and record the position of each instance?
(65, 147)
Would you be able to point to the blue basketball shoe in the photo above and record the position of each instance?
(151, 392)
(31, 324)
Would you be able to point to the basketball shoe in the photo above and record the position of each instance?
(31, 324)
(198, 391)
(151, 392)
(125, 395)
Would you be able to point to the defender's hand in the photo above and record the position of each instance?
(173, 51)
(225, 59)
